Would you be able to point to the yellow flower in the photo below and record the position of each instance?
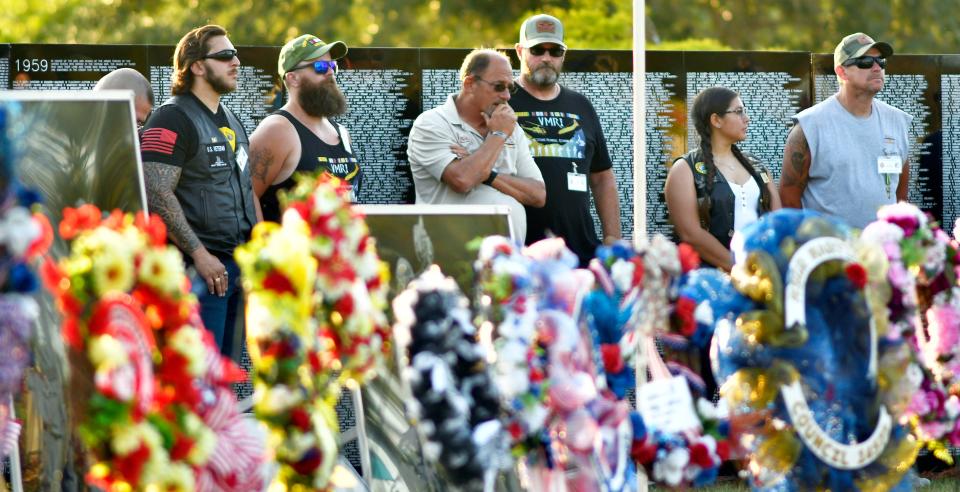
(162, 269)
(204, 439)
(113, 270)
(188, 341)
(107, 352)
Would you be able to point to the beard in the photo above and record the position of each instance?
(323, 99)
(543, 76)
(220, 83)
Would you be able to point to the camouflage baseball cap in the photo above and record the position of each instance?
(307, 47)
(541, 28)
(856, 45)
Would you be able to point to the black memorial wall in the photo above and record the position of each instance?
(387, 88)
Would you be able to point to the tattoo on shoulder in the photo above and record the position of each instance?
(161, 181)
(260, 160)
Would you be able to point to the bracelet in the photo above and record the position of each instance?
(491, 177)
(498, 133)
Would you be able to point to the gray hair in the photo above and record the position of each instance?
(478, 60)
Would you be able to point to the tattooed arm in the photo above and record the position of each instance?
(274, 152)
(796, 168)
(161, 181)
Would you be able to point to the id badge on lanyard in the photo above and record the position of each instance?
(575, 180)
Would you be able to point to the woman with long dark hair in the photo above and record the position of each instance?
(717, 189)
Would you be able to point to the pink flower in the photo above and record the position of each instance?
(943, 323)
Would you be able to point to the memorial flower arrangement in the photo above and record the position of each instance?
(158, 410)
(563, 424)
(802, 362)
(637, 297)
(24, 236)
(316, 290)
(923, 301)
(351, 281)
(454, 405)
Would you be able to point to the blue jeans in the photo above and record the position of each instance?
(220, 314)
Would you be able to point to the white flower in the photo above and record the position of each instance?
(188, 342)
(107, 352)
(162, 269)
(952, 407)
(621, 272)
(669, 470)
(18, 230)
(881, 232)
(703, 314)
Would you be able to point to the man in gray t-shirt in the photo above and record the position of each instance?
(848, 155)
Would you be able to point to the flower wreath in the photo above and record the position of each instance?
(23, 237)
(559, 419)
(153, 392)
(800, 357)
(351, 281)
(920, 261)
(315, 296)
(635, 299)
(455, 404)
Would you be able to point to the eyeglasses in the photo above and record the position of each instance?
(222, 55)
(320, 66)
(555, 52)
(866, 62)
(741, 112)
(499, 86)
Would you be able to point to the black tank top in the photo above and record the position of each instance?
(315, 154)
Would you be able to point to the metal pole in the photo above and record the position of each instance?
(639, 176)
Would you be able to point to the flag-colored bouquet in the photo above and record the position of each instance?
(151, 389)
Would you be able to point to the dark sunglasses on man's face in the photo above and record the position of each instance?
(555, 52)
(222, 55)
(499, 86)
(866, 62)
(320, 66)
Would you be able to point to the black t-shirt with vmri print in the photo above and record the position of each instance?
(564, 133)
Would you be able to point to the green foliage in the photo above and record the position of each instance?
(912, 26)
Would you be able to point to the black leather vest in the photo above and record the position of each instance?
(718, 219)
(215, 193)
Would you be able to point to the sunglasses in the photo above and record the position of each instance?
(741, 112)
(222, 55)
(320, 66)
(555, 52)
(866, 62)
(499, 86)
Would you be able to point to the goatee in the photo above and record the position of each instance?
(322, 100)
(543, 76)
(222, 85)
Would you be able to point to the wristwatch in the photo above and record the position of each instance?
(491, 177)
(498, 133)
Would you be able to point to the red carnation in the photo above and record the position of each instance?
(278, 283)
(857, 275)
(643, 452)
(700, 455)
(130, 466)
(637, 270)
(723, 450)
(42, 243)
(309, 462)
(689, 259)
(76, 220)
(300, 418)
(153, 226)
(683, 313)
(612, 360)
(516, 431)
(181, 448)
(344, 305)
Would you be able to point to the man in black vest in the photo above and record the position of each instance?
(567, 143)
(195, 169)
(300, 137)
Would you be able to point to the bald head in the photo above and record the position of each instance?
(132, 80)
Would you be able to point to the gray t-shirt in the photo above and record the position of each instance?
(844, 180)
(429, 152)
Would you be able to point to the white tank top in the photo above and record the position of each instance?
(745, 201)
